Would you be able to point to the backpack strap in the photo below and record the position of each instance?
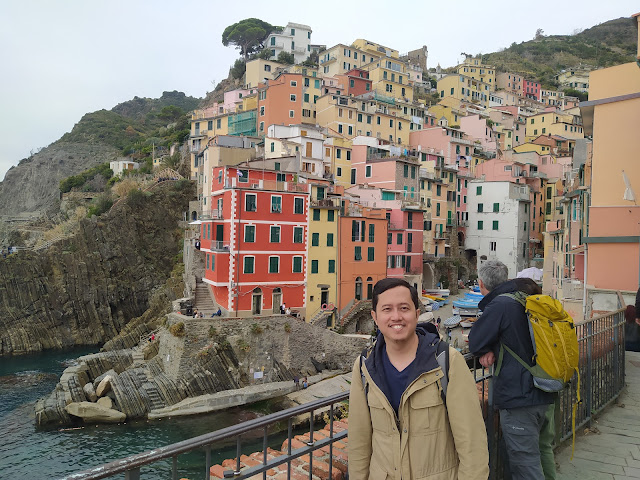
(442, 357)
(521, 298)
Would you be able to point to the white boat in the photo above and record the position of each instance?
(441, 292)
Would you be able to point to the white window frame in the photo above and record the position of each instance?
(293, 262)
(292, 114)
(271, 227)
(246, 198)
(269, 264)
(293, 239)
(244, 264)
(271, 204)
(294, 205)
(292, 97)
(245, 233)
(294, 83)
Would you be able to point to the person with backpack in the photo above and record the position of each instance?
(414, 410)
(526, 417)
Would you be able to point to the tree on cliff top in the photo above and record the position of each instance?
(248, 35)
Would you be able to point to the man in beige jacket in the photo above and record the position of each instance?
(400, 427)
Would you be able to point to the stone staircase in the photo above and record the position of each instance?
(203, 301)
(150, 389)
(320, 318)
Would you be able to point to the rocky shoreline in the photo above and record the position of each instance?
(195, 366)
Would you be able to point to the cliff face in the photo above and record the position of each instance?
(33, 185)
(84, 290)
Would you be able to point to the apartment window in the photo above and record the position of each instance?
(330, 215)
(280, 177)
(248, 266)
(357, 253)
(297, 264)
(292, 97)
(338, 150)
(493, 246)
(372, 233)
(353, 176)
(298, 233)
(332, 266)
(548, 208)
(316, 84)
(314, 266)
(273, 146)
(399, 239)
(413, 172)
(298, 205)
(339, 128)
(274, 236)
(315, 239)
(367, 171)
(274, 264)
(339, 171)
(249, 233)
(316, 214)
(306, 84)
(306, 95)
(250, 202)
(438, 190)
(291, 114)
(478, 190)
(329, 239)
(495, 225)
(371, 254)
(219, 123)
(525, 226)
(276, 204)
(409, 242)
(360, 117)
(406, 171)
(437, 209)
(480, 224)
(369, 119)
(262, 111)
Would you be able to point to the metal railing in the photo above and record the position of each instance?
(602, 370)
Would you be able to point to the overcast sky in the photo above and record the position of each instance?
(62, 59)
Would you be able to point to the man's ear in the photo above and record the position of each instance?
(373, 315)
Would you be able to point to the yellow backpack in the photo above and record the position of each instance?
(555, 345)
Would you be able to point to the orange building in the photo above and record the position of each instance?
(355, 82)
(362, 257)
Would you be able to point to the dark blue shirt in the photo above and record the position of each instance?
(396, 380)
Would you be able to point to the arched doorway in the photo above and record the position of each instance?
(277, 299)
(358, 288)
(256, 301)
(194, 215)
(369, 288)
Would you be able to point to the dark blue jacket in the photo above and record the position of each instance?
(425, 358)
(503, 320)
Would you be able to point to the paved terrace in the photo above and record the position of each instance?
(609, 450)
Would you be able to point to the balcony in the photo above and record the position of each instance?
(219, 246)
(327, 60)
(213, 214)
(442, 235)
(269, 185)
(325, 202)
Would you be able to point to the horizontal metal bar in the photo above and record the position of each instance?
(135, 461)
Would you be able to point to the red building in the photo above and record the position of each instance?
(255, 240)
(355, 82)
(531, 90)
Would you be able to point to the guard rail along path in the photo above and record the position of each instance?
(602, 368)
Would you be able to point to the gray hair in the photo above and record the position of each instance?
(493, 273)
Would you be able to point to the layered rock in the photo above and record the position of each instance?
(213, 356)
(85, 289)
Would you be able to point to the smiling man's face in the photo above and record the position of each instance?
(395, 315)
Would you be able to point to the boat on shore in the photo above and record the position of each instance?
(440, 292)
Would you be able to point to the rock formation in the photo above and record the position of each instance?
(213, 355)
(84, 290)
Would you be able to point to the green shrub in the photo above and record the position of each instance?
(212, 332)
(287, 328)
(243, 345)
(256, 329)
(100, 205)
(177, 329)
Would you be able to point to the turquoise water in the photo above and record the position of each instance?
(30, 453)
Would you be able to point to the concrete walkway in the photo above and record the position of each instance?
(611, 451)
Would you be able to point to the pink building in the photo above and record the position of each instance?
(531, 90)
(476, 127)
(452, 142)
(230, 103)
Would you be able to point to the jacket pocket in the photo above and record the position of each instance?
(425, 405)
(380, 418)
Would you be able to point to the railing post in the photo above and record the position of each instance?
(132, 474)
(616, 356)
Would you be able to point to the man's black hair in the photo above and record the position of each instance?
(388, 283)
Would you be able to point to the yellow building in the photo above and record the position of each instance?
(375, 117)
(576, 78)
(337, 151)
(322, 247)
(375, 49)
(554, 123)
(462, 87)
(390, 77)
(473, 67)
(259, 70)
(451, 115)
(505, 136)
(342, 58)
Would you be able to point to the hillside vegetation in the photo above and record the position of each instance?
(610, 43)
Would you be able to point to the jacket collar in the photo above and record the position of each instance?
(507, 287)
(425, 357)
